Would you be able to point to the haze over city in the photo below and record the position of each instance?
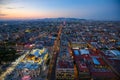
(37, 9)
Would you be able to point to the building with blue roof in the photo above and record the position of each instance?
(95, 61)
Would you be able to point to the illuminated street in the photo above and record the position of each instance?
(13, 65)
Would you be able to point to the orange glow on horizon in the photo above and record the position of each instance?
(24, 17)
(26, 14)
(16, 14)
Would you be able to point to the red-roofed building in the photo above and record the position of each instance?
(26, 77)
(104, 75)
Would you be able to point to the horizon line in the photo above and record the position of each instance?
(56, 18)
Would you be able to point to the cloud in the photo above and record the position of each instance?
(14, 7)
(10, 8)
(2, 15)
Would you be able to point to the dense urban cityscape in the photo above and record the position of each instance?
(59, 39)
(59, 49)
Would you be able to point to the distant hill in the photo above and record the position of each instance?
(62, 19)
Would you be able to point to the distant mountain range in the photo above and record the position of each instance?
(62, 19)
(50, 19)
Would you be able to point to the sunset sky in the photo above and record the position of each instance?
(35, 9)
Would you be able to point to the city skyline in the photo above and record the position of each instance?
(84, 9)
